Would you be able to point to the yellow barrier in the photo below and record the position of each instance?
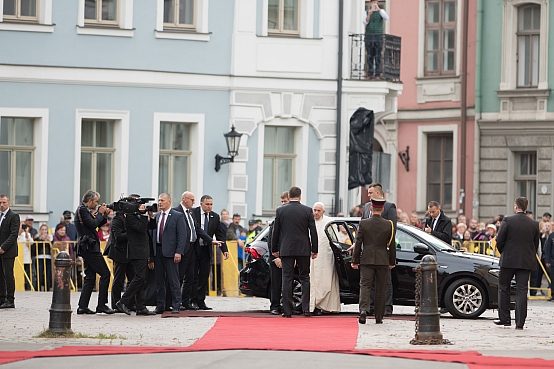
(230, 271)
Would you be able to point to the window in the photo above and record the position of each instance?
(16, 159)
(279, 160)
(439, 169)
(440, 37)
(179, 14)
(283, 16)
(175, 152)
(528, 41)
(21, 10)
(97, 153)
(526, 177)
(101, 12)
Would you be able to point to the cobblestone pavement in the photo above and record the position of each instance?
(19, 327)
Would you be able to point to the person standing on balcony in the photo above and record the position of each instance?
(373, 22)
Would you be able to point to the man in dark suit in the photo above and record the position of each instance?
(375, 190)
(294, 239)
(438, 224)
(116, 249)
(140, 251)
(9, 230)
(88, 219)
(186, 266)
(209, 222)
(169, 245)
(378, 257)
(517, 242)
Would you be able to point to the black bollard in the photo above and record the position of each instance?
(429, 315)
(60, 310)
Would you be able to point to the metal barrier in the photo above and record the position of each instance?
(375, 56)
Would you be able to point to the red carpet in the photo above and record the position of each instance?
(265, 314)
(317, 334)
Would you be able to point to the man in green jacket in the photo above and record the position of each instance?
(373, 22)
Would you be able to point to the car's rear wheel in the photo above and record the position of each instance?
(466, 298)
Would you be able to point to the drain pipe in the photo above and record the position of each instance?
(339, 110)
(463, 106)
(478, 93)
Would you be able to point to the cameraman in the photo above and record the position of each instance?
(139, 254)
(88, 219)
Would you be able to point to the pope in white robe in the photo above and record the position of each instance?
(324, 282)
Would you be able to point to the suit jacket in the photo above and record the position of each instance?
(376, 234)
(214, 228)
(294, 231)
(8, 234)
(117, 243)
(90, 224)
(199, 231)
(549, 249)
(443, 228)
(517, 241)
(137, 237)
(389, 212)
(175, 236)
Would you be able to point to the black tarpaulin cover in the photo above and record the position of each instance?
(362, 126)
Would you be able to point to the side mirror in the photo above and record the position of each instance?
(421, 248)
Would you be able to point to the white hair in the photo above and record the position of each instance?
(320, 204)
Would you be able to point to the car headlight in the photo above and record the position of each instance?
(495, 272)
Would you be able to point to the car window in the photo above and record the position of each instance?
(404, 241)
(342, 232)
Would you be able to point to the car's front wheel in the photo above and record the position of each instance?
(466, 298)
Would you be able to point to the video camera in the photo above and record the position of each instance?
(130, 205)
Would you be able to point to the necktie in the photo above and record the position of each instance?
(434, 223)
(1, 217)
(192, 227)
(161, 232)
(206, 222)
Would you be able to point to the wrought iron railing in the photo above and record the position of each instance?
(375, 57)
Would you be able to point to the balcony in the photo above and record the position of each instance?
(375, 57)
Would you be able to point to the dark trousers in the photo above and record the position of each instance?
(276, 281)
(504, 280)
(121, 270)
(135, 289)
(186, 275)
(551, 274)
(42, 277)
(216, 278)
(388, 298)
(7, 280)
(374, 46)
(94, 264)
(167, 274)
(369, 273)
(303, 264)
(536, 278)
(201, 275)
(30, 275)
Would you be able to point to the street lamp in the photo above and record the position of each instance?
(233, 141)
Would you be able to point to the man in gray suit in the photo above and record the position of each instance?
(375, 190)
(517, 242)
(294, 239)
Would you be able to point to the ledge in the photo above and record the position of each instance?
(523, 92)
(183, 35)
(26, 27)
(105, 31)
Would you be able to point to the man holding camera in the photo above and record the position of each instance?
(139, 251)
(90, 217)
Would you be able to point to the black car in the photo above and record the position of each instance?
(467, 282)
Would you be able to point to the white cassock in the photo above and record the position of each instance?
(324, 282)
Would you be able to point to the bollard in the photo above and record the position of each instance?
(60, 310)
(427, 313)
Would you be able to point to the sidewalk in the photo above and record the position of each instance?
(31, 316)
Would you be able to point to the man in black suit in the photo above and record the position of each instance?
(9, 230)
(116, 249)
(140, 251)
(186, 266)
(294, 240)
(169, 244)
(438, 224)
(209, 222)
(375, 190)
(517, 242)
(90, 217)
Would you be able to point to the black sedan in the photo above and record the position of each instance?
(467, 283)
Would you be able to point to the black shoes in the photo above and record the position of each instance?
(189, 306)
(287, 316)
(85, 311)
(378, 322)
(145, 311)
(7, 305)
(500, 322)
(363, 317)
(317, 312)
(519, 328)
(104, 309)
(274, 312)
(307, 314)
(121, 307)
(159, 310)
(202, 306)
